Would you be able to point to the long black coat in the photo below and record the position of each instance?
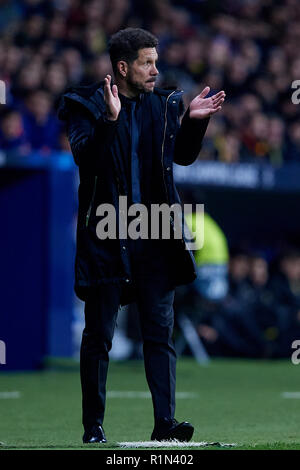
(102, 179)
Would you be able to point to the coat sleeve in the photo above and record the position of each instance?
(189, 139)
(88, 138)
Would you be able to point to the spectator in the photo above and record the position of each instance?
(293, 145)
(286, 285)
(10, 15)
(12, 135)
(55, 79)
(238, 269)
(41, 125)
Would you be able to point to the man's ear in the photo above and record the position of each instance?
(122, 67)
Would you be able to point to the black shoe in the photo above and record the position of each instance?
(96, 434)
(166, 430)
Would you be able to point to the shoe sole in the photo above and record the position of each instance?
(182, 433)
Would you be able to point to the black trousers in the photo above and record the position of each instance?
(155, 296)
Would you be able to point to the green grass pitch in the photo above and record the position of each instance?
(231, 401)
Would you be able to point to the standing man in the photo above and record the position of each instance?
(124, 138)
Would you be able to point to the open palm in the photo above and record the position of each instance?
(112, 100)
(202, 107)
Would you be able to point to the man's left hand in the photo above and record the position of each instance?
(202, 107)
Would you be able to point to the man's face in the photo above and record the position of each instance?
(142, 72)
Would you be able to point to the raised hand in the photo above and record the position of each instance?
(201, 107)
(112, 100)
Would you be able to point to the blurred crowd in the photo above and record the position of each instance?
(249, 48)
(259, 317)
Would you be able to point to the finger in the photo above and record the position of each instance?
(107, 89)
(115, 90)
(218, 102)
(204, 92)
(213, 111)
(107, 80)
(213, 104)
(218, 99)
(219, 95)
(222, 92)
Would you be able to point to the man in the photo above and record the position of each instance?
(124, 137)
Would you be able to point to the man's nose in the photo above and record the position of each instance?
(154, 70)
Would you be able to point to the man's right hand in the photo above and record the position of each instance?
(112, 100)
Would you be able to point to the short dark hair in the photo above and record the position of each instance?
(125, 44)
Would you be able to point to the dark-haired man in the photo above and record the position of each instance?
(125, 137)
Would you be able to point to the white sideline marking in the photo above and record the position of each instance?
(173, 443)
(133, 394)
(8, 395)
(290, 395)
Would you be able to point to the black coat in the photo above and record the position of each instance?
(102, 179)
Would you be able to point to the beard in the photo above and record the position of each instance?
(137, 86)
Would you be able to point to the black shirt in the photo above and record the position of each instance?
(146, 254)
